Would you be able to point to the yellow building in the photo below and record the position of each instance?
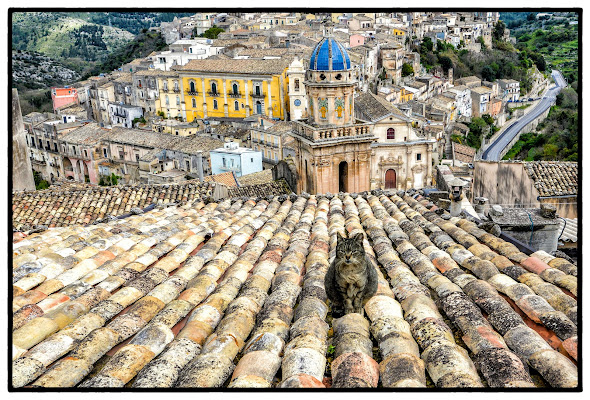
(335, 17)
(170, 101)
(235, 88)
(405, 95)
(399, 34)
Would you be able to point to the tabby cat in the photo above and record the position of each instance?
(351, 279)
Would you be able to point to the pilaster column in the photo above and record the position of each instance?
(268, 104)
(247, 96)
(225, 105)
(429, 165)
(204, 98)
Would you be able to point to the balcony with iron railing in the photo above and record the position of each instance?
(259, 95)
(192, 93)
(213, 94)
(235, 168)
(270, 160)
(235, 95)
(176, 90)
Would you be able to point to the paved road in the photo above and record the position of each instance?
(492, 153)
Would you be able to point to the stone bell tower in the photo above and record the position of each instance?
(333, 148)
(330, 83)
(297, 96)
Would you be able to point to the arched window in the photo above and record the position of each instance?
(214, 88)
(236, 106)
(192, 85)
(296, 84)
(235, 88)
(167, 101)
(391, 133)
(194, 103)
(215, 104)
(177, 100)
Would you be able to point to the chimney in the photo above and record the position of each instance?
(456, 196)
(481, 203)
(200, 165)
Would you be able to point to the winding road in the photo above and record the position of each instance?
(492, 153)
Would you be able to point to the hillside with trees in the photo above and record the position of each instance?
(556, 137)
(80, 41)
(143, 44)
(502, 61)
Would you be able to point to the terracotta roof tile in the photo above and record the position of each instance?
(463, 153)
(554, 178)
(226, 178)
(240, 66)
(256, 178)
(227, 294)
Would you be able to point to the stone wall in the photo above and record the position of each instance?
(567, 207)
(504, 183)
(286, 171)
(22, 173)
(531, 126)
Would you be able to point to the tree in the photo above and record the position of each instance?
(40, 183)
(482, 42)
(426, 45)
(407, 69)
(488, 119)
(446, 63)
(499, 29)
(213, 32)
(487, 73)
(550, 151)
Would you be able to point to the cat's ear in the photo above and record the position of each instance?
(340, 237)
(359, 237)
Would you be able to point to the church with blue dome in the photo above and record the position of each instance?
(340, 149)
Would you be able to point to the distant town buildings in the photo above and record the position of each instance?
(331, 98)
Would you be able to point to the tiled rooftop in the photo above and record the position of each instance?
(256, 178)
(226, 178)
(240, 66)
(89, 134)
(554, 178)
(86, 204)
(375, 108)
(185, 144)
(227, 294)
(463, 153)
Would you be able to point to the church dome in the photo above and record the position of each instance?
(329, 55)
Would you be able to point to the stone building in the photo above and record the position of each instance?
(529, 184)
(344, 146)
(297, 95)
(392, 60)
(80, 153)
(401, 157)
(235, 88)
(44, 138)
(22, 173)
(332, 146)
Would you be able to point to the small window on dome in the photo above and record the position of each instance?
(322, 77)
(339, 77)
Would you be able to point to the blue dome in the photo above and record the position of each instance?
(329, 55)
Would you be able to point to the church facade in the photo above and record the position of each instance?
(341, 149)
